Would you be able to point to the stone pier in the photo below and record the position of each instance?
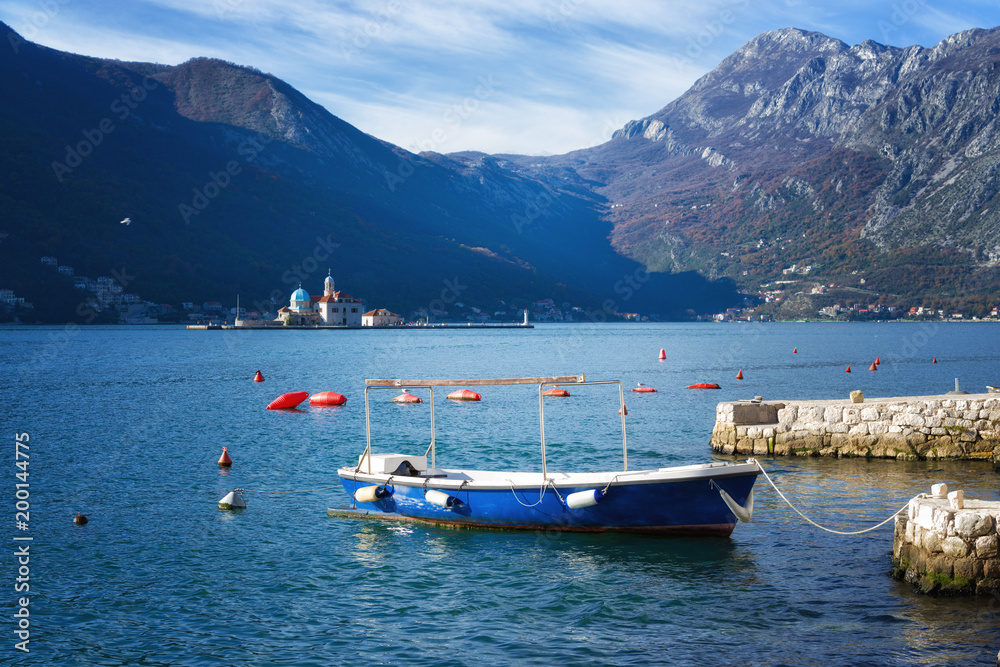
(947, 545)
(905, 428)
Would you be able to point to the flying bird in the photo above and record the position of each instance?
(127, 221)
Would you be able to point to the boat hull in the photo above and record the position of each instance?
(654, 502)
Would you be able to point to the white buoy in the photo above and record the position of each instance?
(440, 498)
(587, 498)
(369, 494)
(233, 501)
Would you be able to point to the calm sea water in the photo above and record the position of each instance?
(126, 425)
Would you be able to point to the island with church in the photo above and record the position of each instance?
(338, 310)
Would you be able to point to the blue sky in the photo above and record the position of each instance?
(518, 76)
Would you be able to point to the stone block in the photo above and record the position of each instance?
(754, 413)
(924, 516)
(783, 449)
(943, 519)
(969, 435)
(991, 568)
(857, 397)
(955, 547)
(852, 416)
(987, 546)
(878, 428)
(839, 428)
(869, 414)
(968, 568)
(833, 414)
(788, 415)
(956, 499)
(859, 429)
(930, 541)
(971, 525)
(941, 564)
(938, 431)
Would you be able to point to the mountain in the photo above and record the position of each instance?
(871, 164)
(868, 168)
(236, 183)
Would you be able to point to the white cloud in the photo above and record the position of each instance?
(395, 67)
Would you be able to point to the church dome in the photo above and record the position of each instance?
(300, 295)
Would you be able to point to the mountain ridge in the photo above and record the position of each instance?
(231, 177)
(871, 164)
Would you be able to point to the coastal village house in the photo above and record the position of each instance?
(332, 309)
(380, 317)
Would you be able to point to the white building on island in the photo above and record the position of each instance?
(380, 317)
(332, 309)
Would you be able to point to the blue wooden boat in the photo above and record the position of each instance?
(704, 499)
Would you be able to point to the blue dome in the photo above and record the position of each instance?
(300, 295)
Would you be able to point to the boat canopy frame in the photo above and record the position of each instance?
(542, 382)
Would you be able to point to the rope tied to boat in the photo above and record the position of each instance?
(541, 492)
(829, 530)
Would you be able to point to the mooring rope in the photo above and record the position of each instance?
(324, 488)
(829, 530)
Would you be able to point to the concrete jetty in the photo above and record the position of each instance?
(948, 545)
(904, 428)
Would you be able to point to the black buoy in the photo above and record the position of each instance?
(79, 519)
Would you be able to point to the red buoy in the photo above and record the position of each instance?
(877, 362)
(795, 350)
(643, 389)
(464, 395)
(288, 401)
(934, 361)
(848, 368)
(407, 397)
(663, 353)
(623, 411)
(258, 377)
(327, 398)
(79, 519)
(873, 367)
(739, 376)
(224, 460)
(555, 391)
(704, 385)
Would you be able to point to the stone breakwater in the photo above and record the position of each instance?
(946, 548)
(911, 428)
